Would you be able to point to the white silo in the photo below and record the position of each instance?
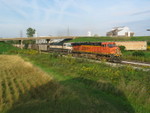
(89, 33)
(36, 34)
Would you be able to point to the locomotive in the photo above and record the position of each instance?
(98, 50)
(95, 50)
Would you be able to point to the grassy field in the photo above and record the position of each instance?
(26, 89)
(97, 39)
(98, 86)
(70, 86)
(128, 55)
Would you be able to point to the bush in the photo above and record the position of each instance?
(148, 47)
(138, 53)
(122, 48)
(24, 51)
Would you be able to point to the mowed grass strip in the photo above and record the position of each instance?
(17, 77)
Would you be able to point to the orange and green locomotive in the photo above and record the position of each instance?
(97, 50)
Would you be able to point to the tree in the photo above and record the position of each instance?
(96, 35)
(30, 32)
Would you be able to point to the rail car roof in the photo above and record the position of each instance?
(87, 43)
(60, 43)
(91, 43)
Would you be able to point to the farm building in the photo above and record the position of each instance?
(133, 45)
(120, 32)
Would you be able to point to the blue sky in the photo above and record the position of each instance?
(54, 17)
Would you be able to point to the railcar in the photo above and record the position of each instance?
(97, 50)
(64, 48)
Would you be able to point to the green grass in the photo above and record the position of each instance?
(141, 38)
(127, 55)
(6, 48)
(97, 39)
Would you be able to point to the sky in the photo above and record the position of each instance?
(58, 17)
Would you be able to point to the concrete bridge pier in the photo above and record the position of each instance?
(47, 40)
(21, 44)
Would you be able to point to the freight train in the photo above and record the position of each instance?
(95, 50)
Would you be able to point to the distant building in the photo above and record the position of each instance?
(120, 32)
(36, 34)
(89, 33)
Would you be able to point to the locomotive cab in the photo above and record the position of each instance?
(67, 47)
(112, 45)
(113, 51)
(112, 48)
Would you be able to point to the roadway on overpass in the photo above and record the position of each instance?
(37, 38)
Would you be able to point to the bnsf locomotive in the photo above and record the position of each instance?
(95, 50)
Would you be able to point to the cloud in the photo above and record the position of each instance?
(13, 8)
(142, 12)
(82, 15)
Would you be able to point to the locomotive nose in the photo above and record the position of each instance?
(118, 52)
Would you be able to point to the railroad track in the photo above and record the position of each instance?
(135, 63)
(122, 62)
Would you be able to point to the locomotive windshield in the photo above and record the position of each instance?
(67, 44)
(111, 45)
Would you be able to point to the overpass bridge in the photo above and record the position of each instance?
(35, 38)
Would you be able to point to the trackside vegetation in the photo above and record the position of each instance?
(49, 83)
(102, 38)
(139, 56)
